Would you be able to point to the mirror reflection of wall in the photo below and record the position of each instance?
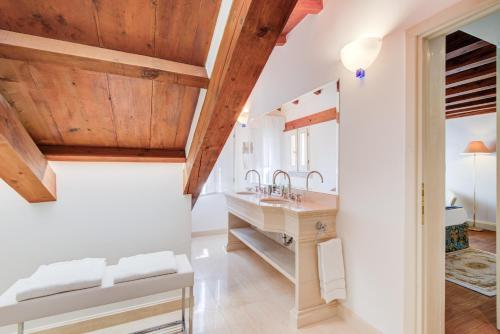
(298, 137)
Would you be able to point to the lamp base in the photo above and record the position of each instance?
(476, 229)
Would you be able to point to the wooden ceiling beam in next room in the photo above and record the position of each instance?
(250, 35)
(470, 76)
(22, 165)
(17, 46)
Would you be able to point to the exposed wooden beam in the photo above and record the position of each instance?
(471, 73)
(476, 94)
(320, 117)
(486, 52)
(39, 49)
(301, 10)
(466, 49)
(470, 91)
(22, 165)
(108, 154)
(470, 113)
(250, 35)
(477, 99)
(471, 86)
(473, 108)
(471, 65)
(472, 103)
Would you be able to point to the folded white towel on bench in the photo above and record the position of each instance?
(144, 266)
(62, 277)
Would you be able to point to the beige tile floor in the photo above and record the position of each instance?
(237, 292)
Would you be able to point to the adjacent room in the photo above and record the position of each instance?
(249, 166)
(471, 172)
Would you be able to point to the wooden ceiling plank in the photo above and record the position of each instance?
(70, 21)
(187, 109)
(22, 165)
(471, 57)
(466, 49)
(165, 114)
(78, 102)
(472, 95)
(469, 91)
(479, 106)
(471, 113)
(482, 70)
(38, 49)
(472, 103)
(16, 85)
(111, 154)
(471, 65)
(119, 27)
(250, 35)
(184, 30)
(478, 84)
(471, 80)
(131, 107)
(472, 99)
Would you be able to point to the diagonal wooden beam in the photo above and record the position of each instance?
(249, 37)
(22, 165)
(108, 154)
(24, 47)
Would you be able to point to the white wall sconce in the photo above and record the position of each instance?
(244, 115)
(358, 55)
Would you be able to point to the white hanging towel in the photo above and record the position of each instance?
(331, 270)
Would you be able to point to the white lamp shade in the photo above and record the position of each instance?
(361, 53)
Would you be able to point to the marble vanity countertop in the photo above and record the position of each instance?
(311, 202)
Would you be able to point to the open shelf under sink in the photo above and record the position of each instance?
(278, 256)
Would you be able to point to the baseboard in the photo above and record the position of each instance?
(208, 233)
(313, 315)
(112, 318)
(489, 226)
(356, 322)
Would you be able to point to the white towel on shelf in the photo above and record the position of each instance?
(331, 270)
(62, 277)
(144, 266)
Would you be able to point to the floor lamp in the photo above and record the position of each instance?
(474, 148)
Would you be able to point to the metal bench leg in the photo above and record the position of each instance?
(20, 328)
(184, 310)
(191, 309)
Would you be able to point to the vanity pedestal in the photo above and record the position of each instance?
(308, 223)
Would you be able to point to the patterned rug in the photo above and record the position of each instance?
(473, 269)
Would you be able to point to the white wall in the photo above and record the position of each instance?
(371, 141)
(459, 168)
(103, 210)
(210, 211)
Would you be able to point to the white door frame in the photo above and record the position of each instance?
(424, 271)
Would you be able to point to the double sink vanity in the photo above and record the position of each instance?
(285, 233)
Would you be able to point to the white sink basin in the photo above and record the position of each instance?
(274, 200)
(245, 193)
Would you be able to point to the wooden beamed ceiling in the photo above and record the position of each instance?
(470, 76)
(117, 76)
(250, 35)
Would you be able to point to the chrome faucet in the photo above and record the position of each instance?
(258, 175)
(311, 173)
(278, 172)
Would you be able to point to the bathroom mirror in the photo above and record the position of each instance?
(299, 137)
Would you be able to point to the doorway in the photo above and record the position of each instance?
(426, 135)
